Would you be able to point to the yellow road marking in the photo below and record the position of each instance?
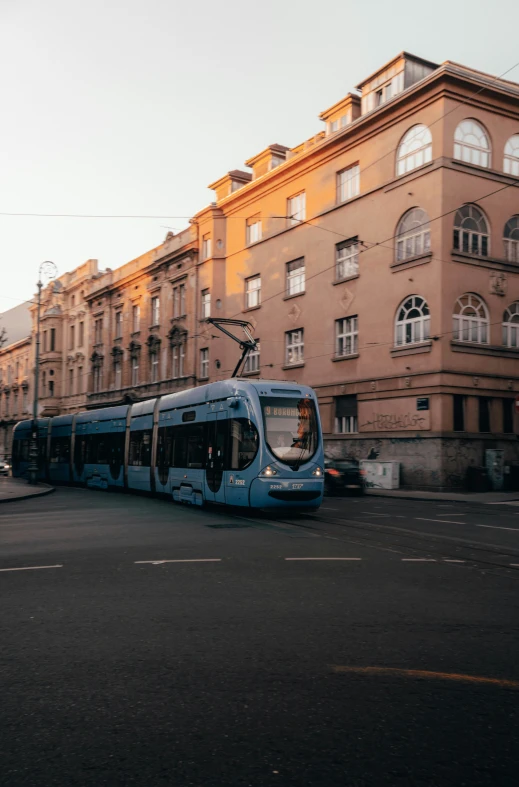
(418, 673)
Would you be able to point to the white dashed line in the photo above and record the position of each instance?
(193, 560)
(323, 558)
(446, 521)
(373, 513)
(30, 568)
(418, 560)
(496, 527)
(515, 565)
(447, 560)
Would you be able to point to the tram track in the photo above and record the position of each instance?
(406, 541)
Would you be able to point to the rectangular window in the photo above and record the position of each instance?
(296, 209)
(98, 331)
(139, 454)
(117, 374)
(71, 381)
(176, 302)
(204, 362)
(72, 337)
(254, 230)
(206, 246)
(155, 310)
(51, 387)
(80, 379)
(154, 363)
(484, 413)
(252, 292)
(346, 337)
(178, 355)
(346, 415)
(458, 403)
(44, 341)
(118, 325)
(52, 339)
(98, 378)
(295, 347)
(348, 183)
(182, 299)
(206, 304)
(508, 416)
(81, 338)
(295, 276)
(252, 364)
(25, 404)
(347, 259)
(135, 370)
(136, 318)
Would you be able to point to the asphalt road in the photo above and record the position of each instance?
(374, 643)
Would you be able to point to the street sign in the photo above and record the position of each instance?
(422, 403)
(517, 404)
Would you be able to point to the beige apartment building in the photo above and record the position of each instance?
(379, 263)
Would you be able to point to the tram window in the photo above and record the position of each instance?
(244, 443)
(165, 446)
(195, 446)
(190, 415)
(60, 450)
(179, 447)
(140, 448)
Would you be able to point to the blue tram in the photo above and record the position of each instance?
(245, 443)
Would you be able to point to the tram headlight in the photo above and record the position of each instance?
(269, 471)
(318, 472)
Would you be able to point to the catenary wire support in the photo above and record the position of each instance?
(246, 344)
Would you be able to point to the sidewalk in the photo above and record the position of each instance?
(490, 498)
(18, 489)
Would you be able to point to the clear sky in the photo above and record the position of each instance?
(112, 107)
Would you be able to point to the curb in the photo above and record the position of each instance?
(429, 499)
(47, 490)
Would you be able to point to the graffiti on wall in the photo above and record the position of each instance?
(393, 422)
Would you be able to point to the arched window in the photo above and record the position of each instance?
(471, 231)
(511, 159)
(412, 321)
(413, 235)
(511, 325)
(470, 319)
(414, 150)
(511, 239)
(471, 143)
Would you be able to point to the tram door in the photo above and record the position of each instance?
(216, 447)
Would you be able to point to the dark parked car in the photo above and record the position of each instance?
(343, 476)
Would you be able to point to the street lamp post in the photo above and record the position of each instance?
(47, 272)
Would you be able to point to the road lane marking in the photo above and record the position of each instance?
(446, 521)
(496, 527)
(323, 558)
(373, 513)
(31, 568)
(418, 673)
(192, 560)
(515, 565)
(418, 560)
(448, 560)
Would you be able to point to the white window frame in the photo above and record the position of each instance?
(511, 156)
(182, 289)
(155, 309)
(118, 324)
(98, 330)
(346, 336)
(254, 230)
(347, 259)
(154, 367)
(204, 363)
(348, 183)
(136, 318)
(206, 303)
(118, 369)
(296, 209)
(477, 242)
(176, 301)
(346, 424)
(25, 400)
(135, 369)
(294, 347)
(511, 239)
(470, 320)
(413, 235)
(206, 246)
(98, 378)
(414, 150)
(177, 361)
(252, 364)
(253, 292)
(415, 329)
(471, 143)
(295, 277)
(511, 326)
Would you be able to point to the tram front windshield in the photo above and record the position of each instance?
(290, 428)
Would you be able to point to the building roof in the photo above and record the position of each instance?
(17, 323)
